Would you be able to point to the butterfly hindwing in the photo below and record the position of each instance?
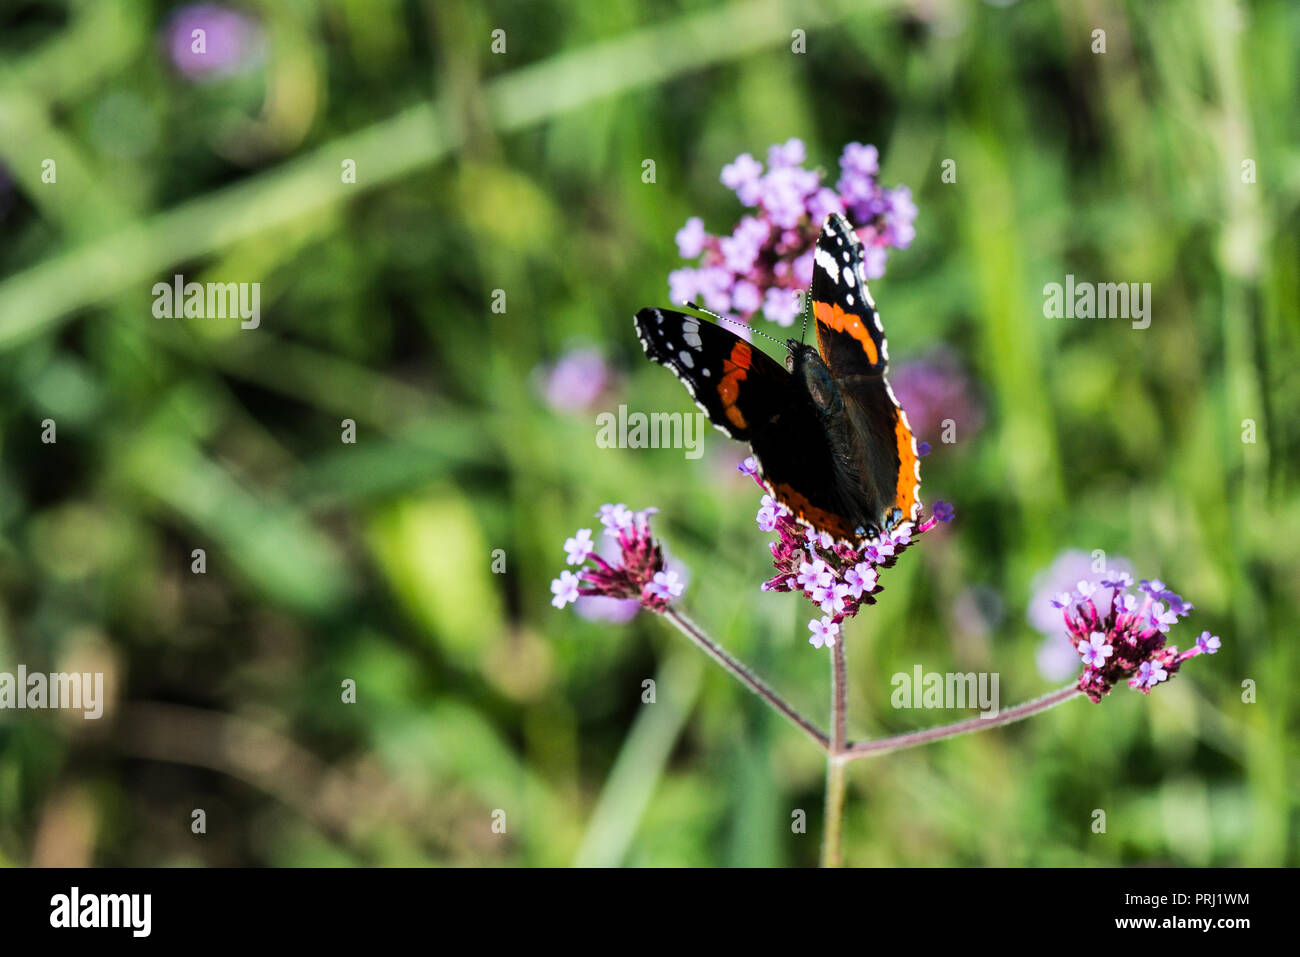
(852, 344)
(889, 474)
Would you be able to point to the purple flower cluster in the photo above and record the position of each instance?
(1057, 658)
(836, 577)
(639, 573)
(768, 258)
(1127, 640)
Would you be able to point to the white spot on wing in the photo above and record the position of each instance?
(827, 262)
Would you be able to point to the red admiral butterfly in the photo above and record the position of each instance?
(832, 443)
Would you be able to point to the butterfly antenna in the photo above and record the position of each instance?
(804, 331)
(707, 312)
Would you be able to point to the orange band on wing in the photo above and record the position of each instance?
(909, 476)
(819, 518)
(833, 317)
(734, 370)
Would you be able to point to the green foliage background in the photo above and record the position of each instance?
(523, 172)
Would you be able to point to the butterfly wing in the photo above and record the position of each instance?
(751, 397)
(740, 388)
(852, 343)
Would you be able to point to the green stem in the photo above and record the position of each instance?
(899, 742)
(839, 751)
(831, 852)
(835, 761)
(745, 676)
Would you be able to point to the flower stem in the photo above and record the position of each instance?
(745, 676)
(835, 760)
(866, 749)
(839, 699)
(831, 854)
(839, 751)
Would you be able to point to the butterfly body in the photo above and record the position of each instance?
(830, 439)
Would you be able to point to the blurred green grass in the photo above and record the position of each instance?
(522, 172)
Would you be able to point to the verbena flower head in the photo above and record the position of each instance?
(836, 577)
(638, 573)
(1120, 636)
(1052, 589)
(768, 257)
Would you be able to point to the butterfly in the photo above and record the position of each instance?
(831, 441)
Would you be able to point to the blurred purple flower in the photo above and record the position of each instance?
(576, 381)
(976, 613)
(1056, 658)
(934, 388)
(781, 306)
(742, 177)
(1117, 579)
(616, 611)
(1053, 588)
(690, 238)
(768, 256)
(232, 41)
